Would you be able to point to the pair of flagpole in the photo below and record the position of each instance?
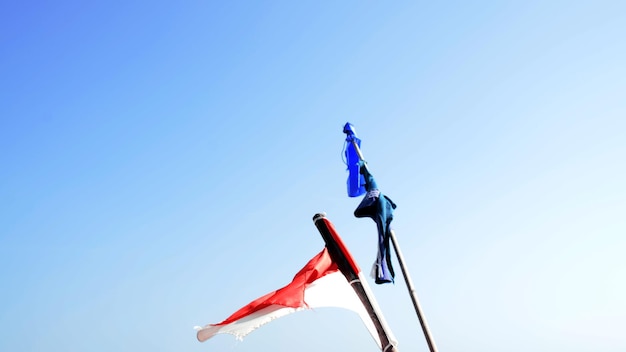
(306, 291)
(407, 278)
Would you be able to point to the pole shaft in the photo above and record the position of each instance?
(416, 304)
(339, 253)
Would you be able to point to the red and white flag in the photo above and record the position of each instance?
(319, 284)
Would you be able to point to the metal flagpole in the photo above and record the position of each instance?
(340, 255)
(413, 294)
(405, 273)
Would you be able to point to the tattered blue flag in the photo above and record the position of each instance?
(380, 208)
(356, 181)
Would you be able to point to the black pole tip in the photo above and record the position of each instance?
(318, 216)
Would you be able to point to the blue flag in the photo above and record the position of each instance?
(356, 181)
(380, 208)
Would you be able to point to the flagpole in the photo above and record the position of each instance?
(407, 278)
(338, 251)
(416, 304)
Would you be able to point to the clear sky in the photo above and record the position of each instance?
(161, 163)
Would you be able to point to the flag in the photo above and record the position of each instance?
(319, 283)
(380, 208)
(374, 205)
(356, 181)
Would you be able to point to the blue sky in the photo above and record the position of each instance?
(161, 165)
